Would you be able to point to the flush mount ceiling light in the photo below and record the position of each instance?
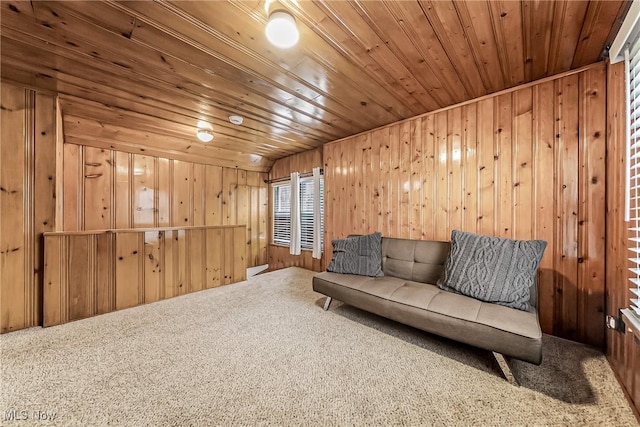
(236, 120)
(204, 135)
(281, 30)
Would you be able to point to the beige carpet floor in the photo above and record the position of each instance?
(264, 353)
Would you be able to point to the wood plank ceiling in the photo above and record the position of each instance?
(139, 75)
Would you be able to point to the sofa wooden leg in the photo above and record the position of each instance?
(506, 370)
(327, 303)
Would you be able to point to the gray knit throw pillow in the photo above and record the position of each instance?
(492, 269)
(360, 255)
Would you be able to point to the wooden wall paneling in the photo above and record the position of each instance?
(105, 272)
(123, 184)
(13, 220)
(144, 191)
(357, 184)
(213, 195)
(243, 213)
(55, 281)
(59, 164)
(80, 277)
(455, 164)
(90, 273)
(239, 254)
(215, 253)
(545, 212)
(591, 210)
(152, 265)
(512, 164)
(165, 192)
(486, 214)
(169, 277)
(44, 207)
(394, 182)
(567, 197)
(522, 152)
(199, 188)
(375, 191)
(365, 188)
(228, 261)
(404, 213)
(503, 170)
(263, 234)
(253, 228)
(182, 194)
(197, 261)
(72, 187)
(428, 180)
(182, 268)
(127, 270)
(97, 180)
(469, 155)
(229, 200)
(441, 215)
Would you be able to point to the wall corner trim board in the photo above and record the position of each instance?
(96, 272)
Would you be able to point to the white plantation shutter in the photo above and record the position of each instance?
(282, 214)
(632, 57)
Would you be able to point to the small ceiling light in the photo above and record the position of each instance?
(281, 30)
(236, 120)
(204, 135)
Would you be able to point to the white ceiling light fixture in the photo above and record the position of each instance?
(236, 120)
(204, 135)
(281, 29)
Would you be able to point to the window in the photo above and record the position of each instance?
(632, 57)
(282, 213)
(626, 46)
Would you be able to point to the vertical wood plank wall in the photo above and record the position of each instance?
(91, 273)
(623, 350)
(528, 163)
(108, 189)
(27, 201)
(279, 256)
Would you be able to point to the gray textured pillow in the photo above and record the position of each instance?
(360, 255)
(492, 269)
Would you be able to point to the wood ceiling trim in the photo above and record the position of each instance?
(476, 23)
(197, 33)
(363, 41)
(136, 63)
(447, 28)
(79, 130)
(51, 71)
(107, 114)
(409, 18)
(125, 100)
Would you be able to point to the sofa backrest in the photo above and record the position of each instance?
(415, 260)
(422, 261)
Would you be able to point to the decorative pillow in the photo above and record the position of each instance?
(492, 269)
(360, 255)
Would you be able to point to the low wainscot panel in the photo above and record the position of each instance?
(95, 272)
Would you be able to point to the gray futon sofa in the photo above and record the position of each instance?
(407, 293)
